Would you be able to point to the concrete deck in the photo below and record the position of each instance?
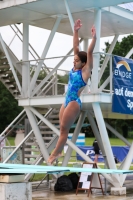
(50, 195)
(44, 194)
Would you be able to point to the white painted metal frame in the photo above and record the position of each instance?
(96, 58)
(105, 139)
(33, 81)
(16, 34)
(32, 113)
(70, 143)
(37, 133)
(25, 67)
(107, 57)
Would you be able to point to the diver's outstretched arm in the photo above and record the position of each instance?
(77, 26)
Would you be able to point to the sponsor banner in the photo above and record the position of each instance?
(122, 101)
(120, 152)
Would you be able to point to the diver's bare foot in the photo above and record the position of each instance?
(52, 158)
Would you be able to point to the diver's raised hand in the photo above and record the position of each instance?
(77, 25)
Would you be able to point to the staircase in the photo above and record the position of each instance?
(6, 76)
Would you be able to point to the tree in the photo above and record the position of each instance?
(9, 108)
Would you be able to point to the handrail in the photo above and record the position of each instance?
(45, 58)
(54, 70)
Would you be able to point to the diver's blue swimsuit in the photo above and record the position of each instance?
(75, 83)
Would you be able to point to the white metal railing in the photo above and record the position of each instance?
(49, 85)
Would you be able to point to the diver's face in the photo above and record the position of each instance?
(77, 63)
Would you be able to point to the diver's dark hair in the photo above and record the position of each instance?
(82, 56)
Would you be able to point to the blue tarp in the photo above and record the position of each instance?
(120, 152)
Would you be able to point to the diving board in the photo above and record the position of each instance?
(23, 169)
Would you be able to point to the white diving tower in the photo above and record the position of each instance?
(59, 16)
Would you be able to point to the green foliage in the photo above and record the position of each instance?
(9, 108)
(123, 47)
(63, 78)
(42, 75)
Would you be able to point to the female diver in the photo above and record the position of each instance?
(78, 78)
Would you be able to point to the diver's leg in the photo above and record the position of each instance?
(62, 109)
(69, 115)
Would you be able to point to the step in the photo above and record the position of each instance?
(52, 116)
(15, 91)
(47, 132)
(10, 82)
(32, 149)
(47, 138)
(4, 66)
(30, 162)
(4, 62)
(46, 127)
(5, 76)
(6, 70)
(3, 58)
(30, 144)
(30, 156)
(11, 86)
(54, 121)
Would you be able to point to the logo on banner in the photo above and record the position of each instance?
(123, 85)
(123, 72)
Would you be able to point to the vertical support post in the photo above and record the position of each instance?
(104, 135)
(105, 140)
(25, 57)
(85, 48)
(96, 57)
(85, 45)
(55, 86)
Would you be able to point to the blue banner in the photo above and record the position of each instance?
(120, 152)
(122, 101)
